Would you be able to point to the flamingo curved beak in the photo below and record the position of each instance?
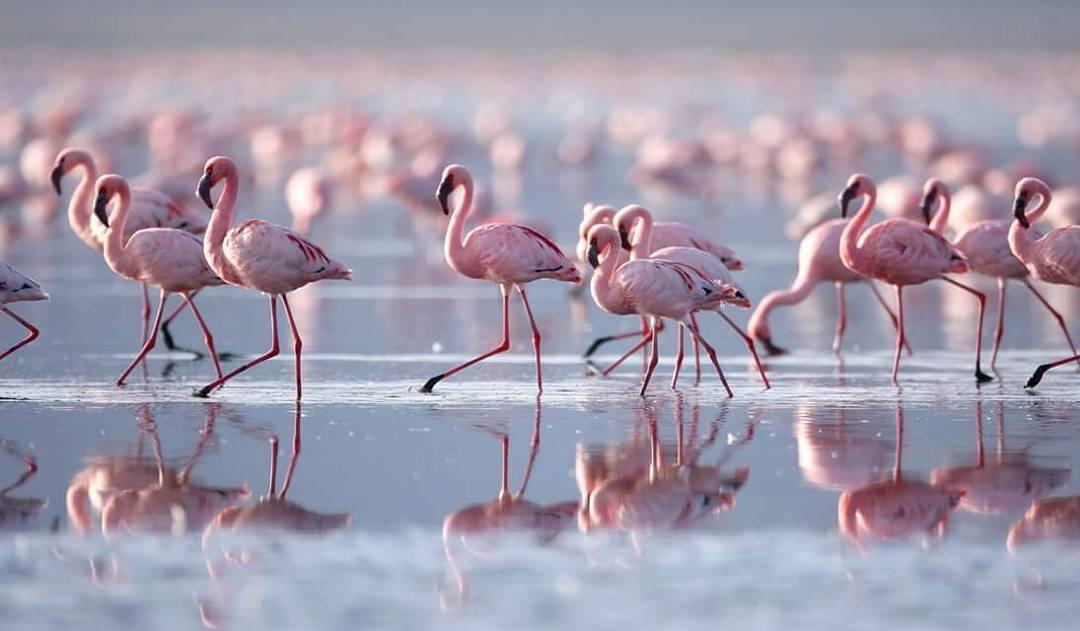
(203, 190)
(1019, 205)
(845, 200)
(100, 203)
(924, 208)
(57, 175)
(443, 194)
(593, 255)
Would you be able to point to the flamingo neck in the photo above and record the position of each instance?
(114, 236)
(79, 206)
(220, 220)
(603, 288)
(941, 217)
(454, 246)
(849, 239)
(799, 290)
(1021, 241)
(641, 240)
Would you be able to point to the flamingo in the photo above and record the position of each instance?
(901, 252)
(261, 256)
(308, 193)
(1053, 258)
(985, 245)
(508, 254)
(167, 258)
(653, 288)
(819, 261)
(704, 262)
(1048, 519)
(18, 287)
(149, 209)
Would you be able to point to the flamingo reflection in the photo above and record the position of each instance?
(15, 512)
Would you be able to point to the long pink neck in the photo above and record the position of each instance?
(115, 248)
(220, 220)
(941, 217)
(454, 246)
(642, 222)
(79, 206)
(604, 292)
(1020, 239)
(849, 239)
(799, 290)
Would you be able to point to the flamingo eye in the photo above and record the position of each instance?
(739, 294)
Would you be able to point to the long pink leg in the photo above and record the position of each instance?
(749, 341)
(294, 458)
(697, 352)
(166, 334)
(712, 356)
(980, 376)
(274, 350)
(654, 357)
(678, 359)
(298, 344)
(149, 343)
(841, 318)
(1037, 376)
(535, 340)
(645, 339)
(33, 332)
(207, 336)
(600, 341)
(888, 310)
(1053, 312)
(145, 312)
(899, 332)
(999, 328)
(501, 348)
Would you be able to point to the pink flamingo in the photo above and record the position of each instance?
(1048, 519)
(167, 258)
(1053, 258)
(819, 261)
(308, 193)
(149, 209)
(260, 256)
(18, 287)
(901, 252)
(508, 254)
(653, 288)
(705, 263)
(985, 245)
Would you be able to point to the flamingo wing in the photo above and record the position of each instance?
(513, 250)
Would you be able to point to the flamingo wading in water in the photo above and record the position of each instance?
(1054, 258)
(901, 252)
(18, 287)
(167, 258)
(261, 256)
(507, 254)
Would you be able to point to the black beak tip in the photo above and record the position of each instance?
(100, 204)
(594, 256)
(203, 191)
(624, 240)
(443, 195)
(844, 200)
(57, 175)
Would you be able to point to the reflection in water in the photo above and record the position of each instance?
(837, 455)
(896, 508)
(1053, 518)
(15, 512)
(1003, 484)
(475, 528)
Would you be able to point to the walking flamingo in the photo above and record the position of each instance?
(149, 209)
(169, 259)
(985, 245)
(18, 287)
(261, 256)
(308, 193)
(1053, 258)
(901, 252)
(508, 254)
(653, 288)
(819, 261)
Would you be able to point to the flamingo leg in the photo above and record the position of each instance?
(149, 343)
(654, 357)
(501, 348)
(273, 465)
(645, 339)
(1057, 316)
(678, 359)
(600, 341)
(999, 328)
(888, 310)
(298, 344)
(712, 357)
(749, 341)
(504, 481)
(980, 376)
(697, 352)
(294, 457)
(208, 338)
(841, 318)
(534, 448)
(899, 332)
(272, 352)
(1037, 376)
(166, 334)
(32, 335)
(535, 340)
(145, 312)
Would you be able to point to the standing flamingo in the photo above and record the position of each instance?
(261, 256)
(819, 261)
(308, 193)
(167, 258)
(18, 287)
(508, 254)
(1053, 258)
(149, 209)
(985, 245)
(653, 288)
(901, 252)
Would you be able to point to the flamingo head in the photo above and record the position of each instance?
(216, 169)
(453, 176)
(932, 190)
(732, 295)
(107, 187)
(1027, 189)
(857, 186)
(67, 160)
(625, 220)
(602, 239)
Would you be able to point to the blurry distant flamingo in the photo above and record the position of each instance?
(819, 261)
(901, 252)
(508, 254)
(148, 209)
(18, 287)
(656, 289)
(985, 245)
(309, 193)
(1053, 258)
(260, 256)
(167, 258)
